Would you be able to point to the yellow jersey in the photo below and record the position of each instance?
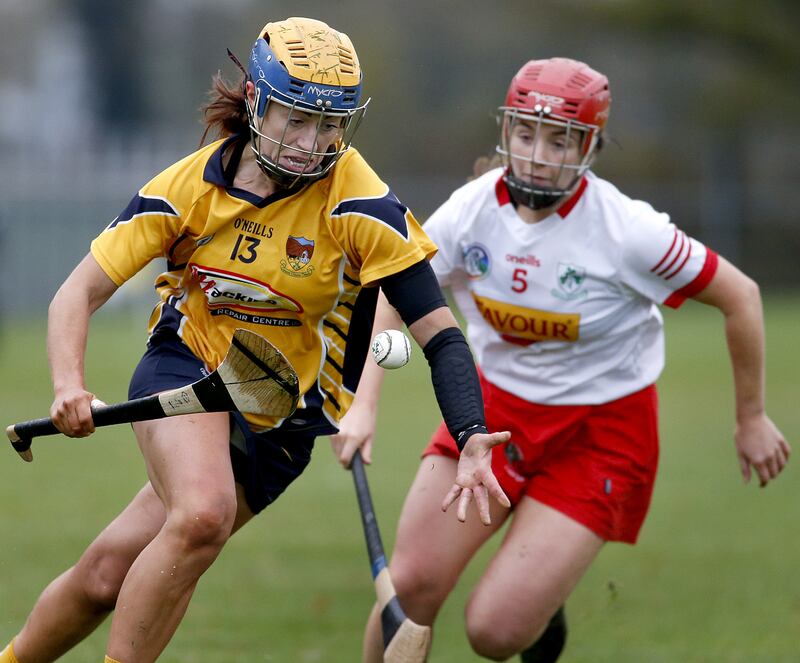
(293, 267)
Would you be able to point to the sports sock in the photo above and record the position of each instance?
(108, 659)
(548, 647)
(7, 655)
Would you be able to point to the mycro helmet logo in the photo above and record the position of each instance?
(323, 92)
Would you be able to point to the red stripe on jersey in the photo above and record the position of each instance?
(669, 250)
(566, 208)
(683, 262)
(678, 253)
(698, 284)
(501, 191)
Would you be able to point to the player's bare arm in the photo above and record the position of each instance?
(357, 427)
(759, 444)
(85, 290)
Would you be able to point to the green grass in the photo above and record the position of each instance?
(711, 580)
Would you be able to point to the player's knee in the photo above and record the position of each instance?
(421, 594)
(206, 523)
(100, 575)
(497, 637)
(496, 646)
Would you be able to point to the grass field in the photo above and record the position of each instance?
(713, 578)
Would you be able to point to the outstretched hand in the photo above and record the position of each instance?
(475, 479)
(760, 446)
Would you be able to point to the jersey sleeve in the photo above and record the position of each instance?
(379, 234)
(661, 261)
(144, 230)
(440, 228)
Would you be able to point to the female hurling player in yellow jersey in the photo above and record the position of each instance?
(279, 227)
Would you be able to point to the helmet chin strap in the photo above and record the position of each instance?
(287, 181)
(282, 181)
(535, 199)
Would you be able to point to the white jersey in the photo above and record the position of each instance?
(563, 311)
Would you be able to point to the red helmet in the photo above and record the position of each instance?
(570, 89)
(556, 91)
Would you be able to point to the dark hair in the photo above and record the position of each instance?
(225, 113)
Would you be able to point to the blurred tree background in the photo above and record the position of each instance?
(100, 96)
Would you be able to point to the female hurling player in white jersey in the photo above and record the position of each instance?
(559, 276)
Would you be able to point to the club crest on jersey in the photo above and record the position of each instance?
(298, 256)
(570, 282)
(476, 261)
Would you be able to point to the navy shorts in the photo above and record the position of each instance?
(263, 463)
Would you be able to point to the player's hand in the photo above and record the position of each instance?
(475, 479)
(761, 447)
(356, 431)
(71, 412)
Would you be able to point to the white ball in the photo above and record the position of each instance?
(391, 349)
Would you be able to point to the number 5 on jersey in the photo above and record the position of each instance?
(520, 284)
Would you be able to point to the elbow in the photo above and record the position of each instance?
(55, 302)
(751, 290)
(746, 301)
(69, 301)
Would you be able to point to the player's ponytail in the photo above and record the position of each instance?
(225, 113)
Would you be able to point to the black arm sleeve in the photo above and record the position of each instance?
(414, 292)
(456, 384)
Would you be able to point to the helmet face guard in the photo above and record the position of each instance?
(537, 196)
(562, 93)
(308, 69)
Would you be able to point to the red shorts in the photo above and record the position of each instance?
(593, 463)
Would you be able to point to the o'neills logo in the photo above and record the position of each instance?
(533, 261)
(298, 256)
(240, 293)
(528, 324)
